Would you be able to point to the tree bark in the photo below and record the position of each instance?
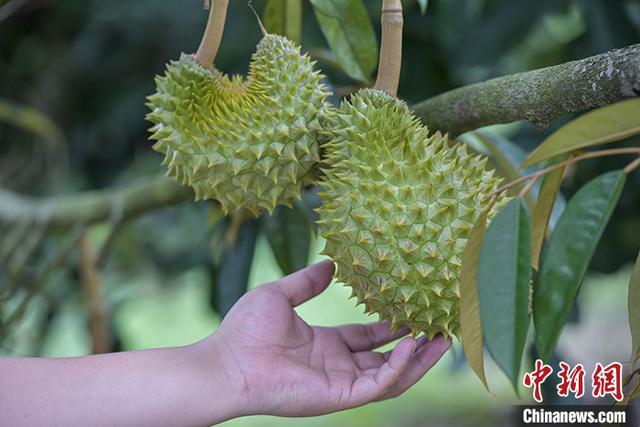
(537, 96)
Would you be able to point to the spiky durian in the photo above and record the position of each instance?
(397, 208)
(248, 143)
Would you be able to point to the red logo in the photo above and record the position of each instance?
(605, 380)
(536, 378)
(571, 380)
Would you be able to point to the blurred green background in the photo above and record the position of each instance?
(88, 65)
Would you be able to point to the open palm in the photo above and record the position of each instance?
(290, 368)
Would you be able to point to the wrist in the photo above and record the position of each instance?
(221, 393)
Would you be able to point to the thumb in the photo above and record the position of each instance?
(305, 284)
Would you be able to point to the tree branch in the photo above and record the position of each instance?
(97, 311)
(537, 96)
(94, 206)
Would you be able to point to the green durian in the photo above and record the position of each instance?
(249, 144)
(397, 208)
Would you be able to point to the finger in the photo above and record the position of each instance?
(370, 336)
(370, 359)
(368, 388)
(306, 283)
(425, 356)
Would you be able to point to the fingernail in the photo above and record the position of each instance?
(423, 340)
(327, 263)
(403, 331)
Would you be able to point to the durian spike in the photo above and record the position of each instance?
(390, 47)
(212, 37)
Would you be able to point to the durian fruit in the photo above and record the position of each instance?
(397, 208)
(249, 144)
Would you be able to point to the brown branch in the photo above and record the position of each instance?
(632, 166)
(93, 206)
(537, 96)
(44, 273)
(94, 297)
(390, 47)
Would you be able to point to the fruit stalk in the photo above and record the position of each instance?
(632, 166)
(589, 155)
(390, 47)
(212, 37)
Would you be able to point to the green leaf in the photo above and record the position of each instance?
(542, 211)
(634, 313)
(601, 126)
(308, 204)
(235, 265)
(284, 17)
(347, 27)
(626, 380)
(505, 165)
(497, 29)
(507, 157)
(568, 253)
(633, 393)
(329, 8)
(503, 287)
(470, 326)
(289, 236)
(423, 6)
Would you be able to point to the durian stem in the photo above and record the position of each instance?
(212, 37)
(526, 188)
(590, 155)
(237, 219)
(390, 47)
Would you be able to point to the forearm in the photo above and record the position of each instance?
(182, 386)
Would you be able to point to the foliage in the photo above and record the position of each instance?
(349, 32)
(284, 17)
(567, 255)
(503, 287)
(604, 125)
(634, 315)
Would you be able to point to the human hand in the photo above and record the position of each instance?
(283, 366)
(263, 359)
